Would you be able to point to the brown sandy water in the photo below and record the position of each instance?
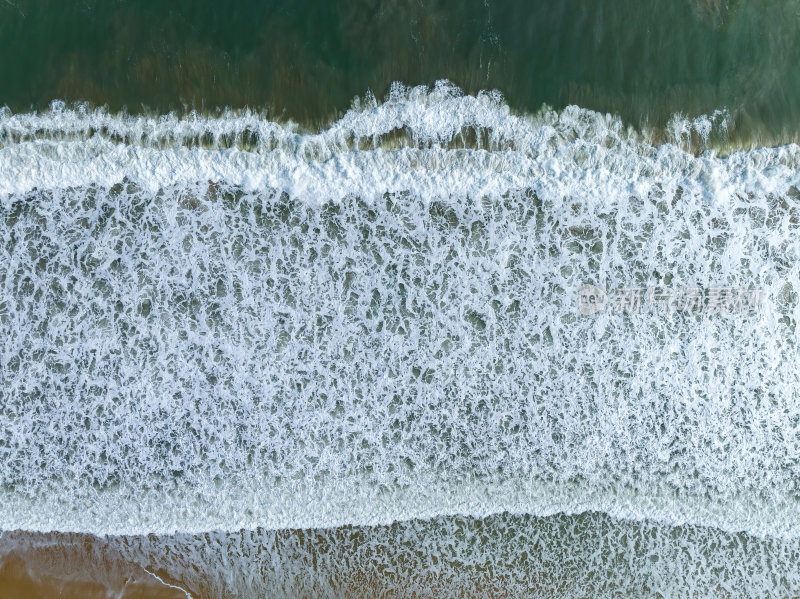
(83, 566)
(25, 578)
(586, 555)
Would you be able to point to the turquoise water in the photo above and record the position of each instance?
(284, 286)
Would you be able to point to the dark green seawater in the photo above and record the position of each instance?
(327, 345)
(307, 60)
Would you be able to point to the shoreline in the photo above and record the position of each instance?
(496, 556)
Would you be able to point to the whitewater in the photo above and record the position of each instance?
(223, 323)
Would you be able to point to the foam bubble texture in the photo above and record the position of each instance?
(196, 339)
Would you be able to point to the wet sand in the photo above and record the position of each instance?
(502, 556)
(28, 577)
(49, 565)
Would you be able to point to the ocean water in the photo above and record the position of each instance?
(306, 61)
(325, 348)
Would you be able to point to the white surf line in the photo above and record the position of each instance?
(173, 586)
(124, 586)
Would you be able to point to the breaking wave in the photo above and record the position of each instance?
(224, 323)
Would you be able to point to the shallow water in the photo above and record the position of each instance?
(588, 555)
(250, 357)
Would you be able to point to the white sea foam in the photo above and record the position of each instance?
(224, 323)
